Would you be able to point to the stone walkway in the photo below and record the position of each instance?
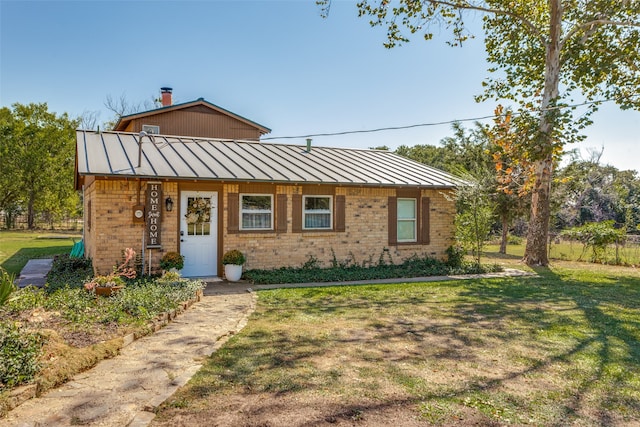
(124, 390)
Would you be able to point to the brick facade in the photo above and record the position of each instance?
(109, 209)
(364, 239)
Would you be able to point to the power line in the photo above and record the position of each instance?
(446, 122)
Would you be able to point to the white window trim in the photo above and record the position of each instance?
(155, 131)
(270, 211)
(414, 220)
(304, 212)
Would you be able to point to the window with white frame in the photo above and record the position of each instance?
(317, 212)
(151, 129)
(256, 211)
(407, 220)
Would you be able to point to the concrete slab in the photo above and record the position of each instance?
(34, 273)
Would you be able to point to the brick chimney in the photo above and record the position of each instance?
(166, 96)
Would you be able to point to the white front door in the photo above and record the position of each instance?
(199, 233)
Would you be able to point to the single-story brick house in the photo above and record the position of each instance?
(278, 203)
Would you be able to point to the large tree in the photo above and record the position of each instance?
(547, 56)
(10, 171)
(38, 152)
(591, 192)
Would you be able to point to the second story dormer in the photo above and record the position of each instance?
(199, 118)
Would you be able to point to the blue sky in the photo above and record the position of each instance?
(275, 62)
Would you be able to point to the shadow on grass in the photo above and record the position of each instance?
(608, 335)
(578, 333)
(16, 262)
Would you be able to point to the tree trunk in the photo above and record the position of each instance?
(536, 251)
(538, 234)
(505, 234)
(30, 211)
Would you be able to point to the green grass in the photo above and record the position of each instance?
(17, 247)
(562, 348)
(573, 251)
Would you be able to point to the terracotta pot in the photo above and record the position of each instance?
(107, 291)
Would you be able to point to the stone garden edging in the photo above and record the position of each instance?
(21, 394)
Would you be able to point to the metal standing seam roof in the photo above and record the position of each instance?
(115, 154)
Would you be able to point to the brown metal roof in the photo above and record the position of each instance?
(115, 154)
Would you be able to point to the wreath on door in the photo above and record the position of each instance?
(198, 210)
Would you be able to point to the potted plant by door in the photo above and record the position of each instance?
(233, 261)
(172, 261)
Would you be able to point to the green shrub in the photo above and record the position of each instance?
(19, 352)
(234, 257)
(514, 240)
(145, 300)
(25, 299)
(7, 287)
(455, 256)
(414, 266)
(596, 236)
(75, 304)
(67, 271)
(172, 260)
(137, 303)
(170, 278)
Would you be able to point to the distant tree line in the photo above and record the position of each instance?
(37, 155)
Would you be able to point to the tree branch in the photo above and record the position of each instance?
(468, 6)
(589, 26)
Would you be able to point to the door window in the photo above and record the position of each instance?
(198, 216)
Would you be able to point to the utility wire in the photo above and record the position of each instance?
(446, 122)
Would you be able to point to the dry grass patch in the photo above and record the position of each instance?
(558, 349)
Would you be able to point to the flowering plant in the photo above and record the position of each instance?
(172, 260)
(198, 210)
(115, 278)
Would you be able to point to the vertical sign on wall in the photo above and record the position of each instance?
(154, 214)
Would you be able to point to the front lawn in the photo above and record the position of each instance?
(559, 349)
(18, 247)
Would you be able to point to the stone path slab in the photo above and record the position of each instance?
(34, 273)
(124, 390)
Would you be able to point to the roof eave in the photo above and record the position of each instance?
(81, 176)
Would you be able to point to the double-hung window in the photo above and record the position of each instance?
(317, 212)
(256, 212)
(407, 220)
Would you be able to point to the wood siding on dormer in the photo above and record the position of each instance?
(197, 121)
